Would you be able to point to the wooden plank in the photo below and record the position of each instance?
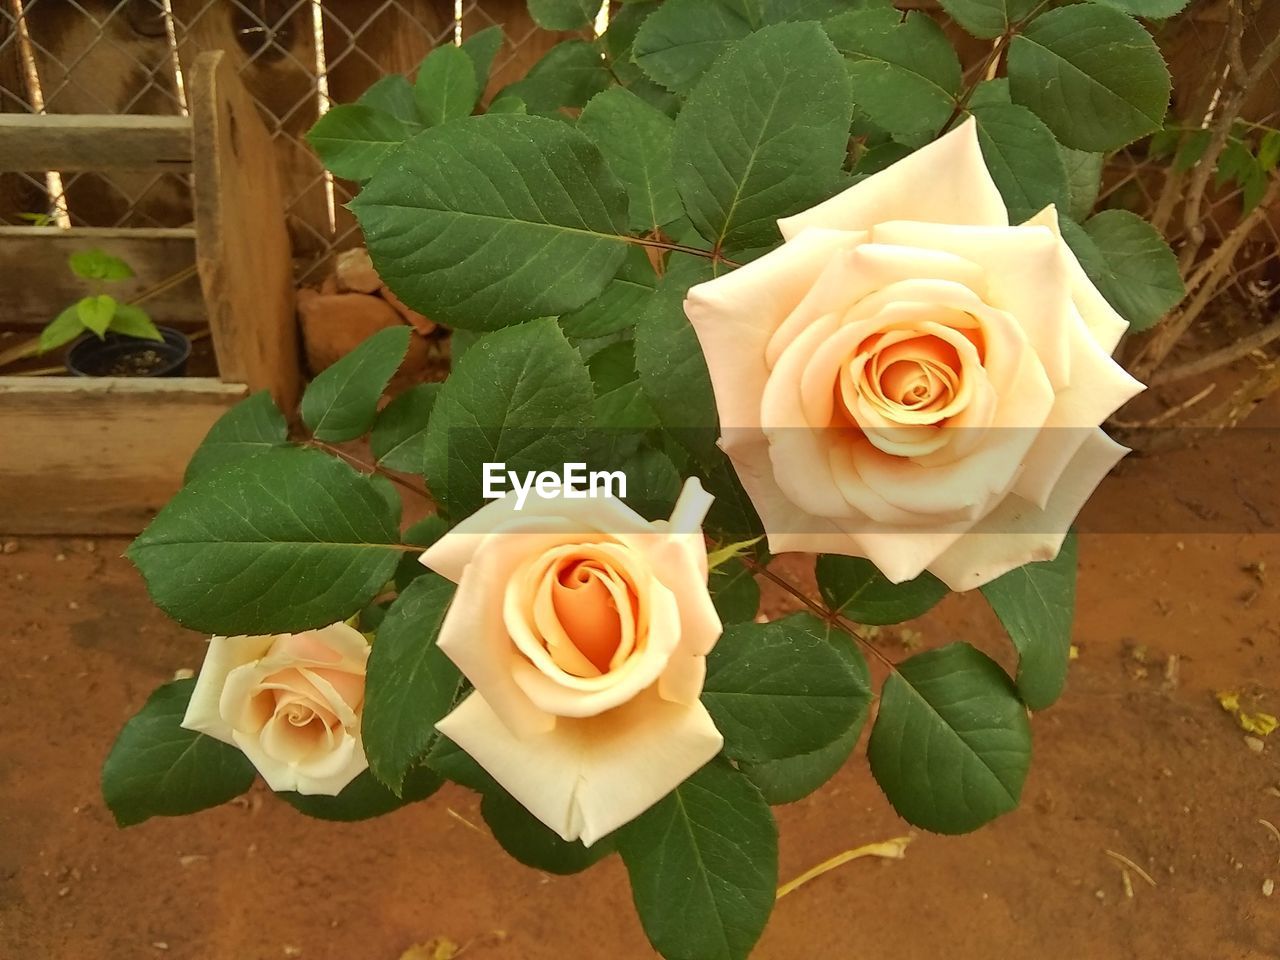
(36, 283)
(99, 455)
(93, 142)
(242, 246)
(271, 47)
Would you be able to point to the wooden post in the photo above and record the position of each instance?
(242, 246)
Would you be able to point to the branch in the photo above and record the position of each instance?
(1220, 358)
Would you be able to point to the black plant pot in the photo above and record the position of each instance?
(116, 355)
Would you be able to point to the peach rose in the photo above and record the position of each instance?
(291, 702)
(584, 629)
(912, 380)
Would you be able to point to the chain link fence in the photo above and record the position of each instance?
(297, 56)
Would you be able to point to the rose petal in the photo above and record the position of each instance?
(223, 655)
(585, 778)
(944, 182)
(1017, 532)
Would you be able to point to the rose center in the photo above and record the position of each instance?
(584, 603)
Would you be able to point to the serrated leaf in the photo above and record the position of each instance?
(1023, 158)
(494, 221)
(342, 402)
(1084, 178)
(780, 689)
(562, 14)
(392, 94)
(446, 87)
(988, 18)
(158, 769)
(1152, 9)
(529, 841)
(96, 312)
(482, 47)
(567, 76)
(1036, 603)
(653, 484)
(410, 683)
(399, 437)
(620, 403)
(521, 397)
(951, 744)
(763, 135)
(734, 592)
(635, 139)
(677, 43)
(622, 301)
(1094, 75)
(453, 763)
(285, 541)
(854, 587)
(703, 864)
(1143, 282)
(352, 140)
(253, 426)
(364, 797)
(789, 779)
(905, 73)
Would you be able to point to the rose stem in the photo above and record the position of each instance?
(370, 467)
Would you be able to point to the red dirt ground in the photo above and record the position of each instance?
(1127, 762)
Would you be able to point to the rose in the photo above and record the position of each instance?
(584, 629)
(912, 380)
(290, 702)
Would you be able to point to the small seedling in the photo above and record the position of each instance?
(98, 313)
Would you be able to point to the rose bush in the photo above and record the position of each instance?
(584, 629)
(291, 703)
(799, 227)
(908, 378)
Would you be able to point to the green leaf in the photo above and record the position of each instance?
(673, 371)
(905, 73)
(253, 426)
(131, 321)
(520, 397)
(494, 221)
(622, 301)
(763, 135)
(453, 763)
(392, 94)
(734, 591)
(1084, 178)
(284, 541)
(635, 139)
(1036, 603)
(364, 797)
(780, 689)
(653, 484)
(482, 47)
(446, 88)
(508, 103)
(562, 14)
(677, 43)
(399, 438)
(703, 864)
(353, 140)
(158, 769)
(789, 779)
(988, 18)
(342, 402)
(1023, 158)
(1092, 74)
(854, 587)
(410, 683)
(421, 534)
(63, 328)
(988, 92)
(620, 404)
(97, 264)
(1143, 281)
(1152, 9)
(1269, 151)
(528, 840)
(567, 76)
(951, 744)
(96, 312)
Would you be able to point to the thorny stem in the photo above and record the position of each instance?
(368, 467)
(829, 616)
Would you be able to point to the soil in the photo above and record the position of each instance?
(1179, 558)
